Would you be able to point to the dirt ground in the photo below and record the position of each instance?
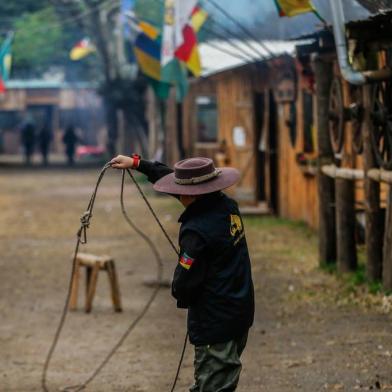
(313, 332)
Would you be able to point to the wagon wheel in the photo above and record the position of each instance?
(336, 117)
(381, 116)
(356, 114)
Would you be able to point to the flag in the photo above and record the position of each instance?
(148, 30)
(5, 62)
(184, 51)
(161, 89)
(6, 58)
(2, 87)
(198, 18)
(294, 7)
(186, 261)
(148, 56)
(82, 49)
(188, 52)
(176, 16)
(194, 62)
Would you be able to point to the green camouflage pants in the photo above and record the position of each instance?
(218, 366)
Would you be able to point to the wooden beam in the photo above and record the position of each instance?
(380, 175)
(374, 230)
(345, 225)
(323, 71)
(343, 173)
(387, 251)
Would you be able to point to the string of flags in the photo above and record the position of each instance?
(166, 55)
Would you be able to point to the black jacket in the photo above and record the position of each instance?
(213, 277)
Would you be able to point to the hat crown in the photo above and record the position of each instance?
(193, 167)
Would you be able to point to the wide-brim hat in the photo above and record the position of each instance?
(197, 176)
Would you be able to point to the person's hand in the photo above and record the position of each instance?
(122, 162)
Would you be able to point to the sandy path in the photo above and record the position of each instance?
(309, 333)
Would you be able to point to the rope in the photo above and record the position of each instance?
(82, 239)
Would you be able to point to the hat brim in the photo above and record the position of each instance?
(228, 177)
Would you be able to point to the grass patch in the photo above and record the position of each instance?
(272, 222)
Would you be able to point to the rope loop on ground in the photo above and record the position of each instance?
(82, 239)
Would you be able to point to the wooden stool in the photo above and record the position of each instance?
(93, 264)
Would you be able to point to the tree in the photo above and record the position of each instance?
(122, 87)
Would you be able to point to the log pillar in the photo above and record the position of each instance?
(345, 225)
(323, 71)
(387, 254)
(374, 218)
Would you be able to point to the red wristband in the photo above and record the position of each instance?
(136, 160)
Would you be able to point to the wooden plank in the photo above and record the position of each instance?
(73, 301)
(92, 287)
(343, 173)
(380, 175)
(114, 286)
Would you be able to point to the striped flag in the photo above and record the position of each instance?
(148, 55)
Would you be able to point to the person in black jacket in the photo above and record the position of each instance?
(213, 277)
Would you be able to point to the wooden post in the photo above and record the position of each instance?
(345, 225)
(374, 219)
(387, 254)
(326, 187)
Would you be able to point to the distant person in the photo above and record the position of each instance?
(70, 139)
(44, 139)
(28, 141)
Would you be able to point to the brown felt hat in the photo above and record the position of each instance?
(197, 176)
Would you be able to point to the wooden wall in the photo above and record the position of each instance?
(235, 93)
(297, 194)
(235, 96)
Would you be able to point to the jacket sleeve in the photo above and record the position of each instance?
(153, 170)
(190, 271)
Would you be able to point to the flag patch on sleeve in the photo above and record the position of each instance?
(186, 261)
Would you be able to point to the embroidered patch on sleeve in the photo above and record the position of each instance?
(186, 261)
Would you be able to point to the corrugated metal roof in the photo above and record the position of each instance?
(218, 56)
(46, 84)
(376, 6)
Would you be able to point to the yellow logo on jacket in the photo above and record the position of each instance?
(235, 225)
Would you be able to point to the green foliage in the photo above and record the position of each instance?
(38, 41)
(12, 10)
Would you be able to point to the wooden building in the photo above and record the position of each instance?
(309, 144)
(259, 118)
(57, 104)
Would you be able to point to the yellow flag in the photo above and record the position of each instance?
(82, 49)
(294, 7)
(193, 63)
(198, 17)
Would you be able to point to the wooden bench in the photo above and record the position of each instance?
(93, 264)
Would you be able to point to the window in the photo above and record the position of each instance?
(206, 119)
(307, 112)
